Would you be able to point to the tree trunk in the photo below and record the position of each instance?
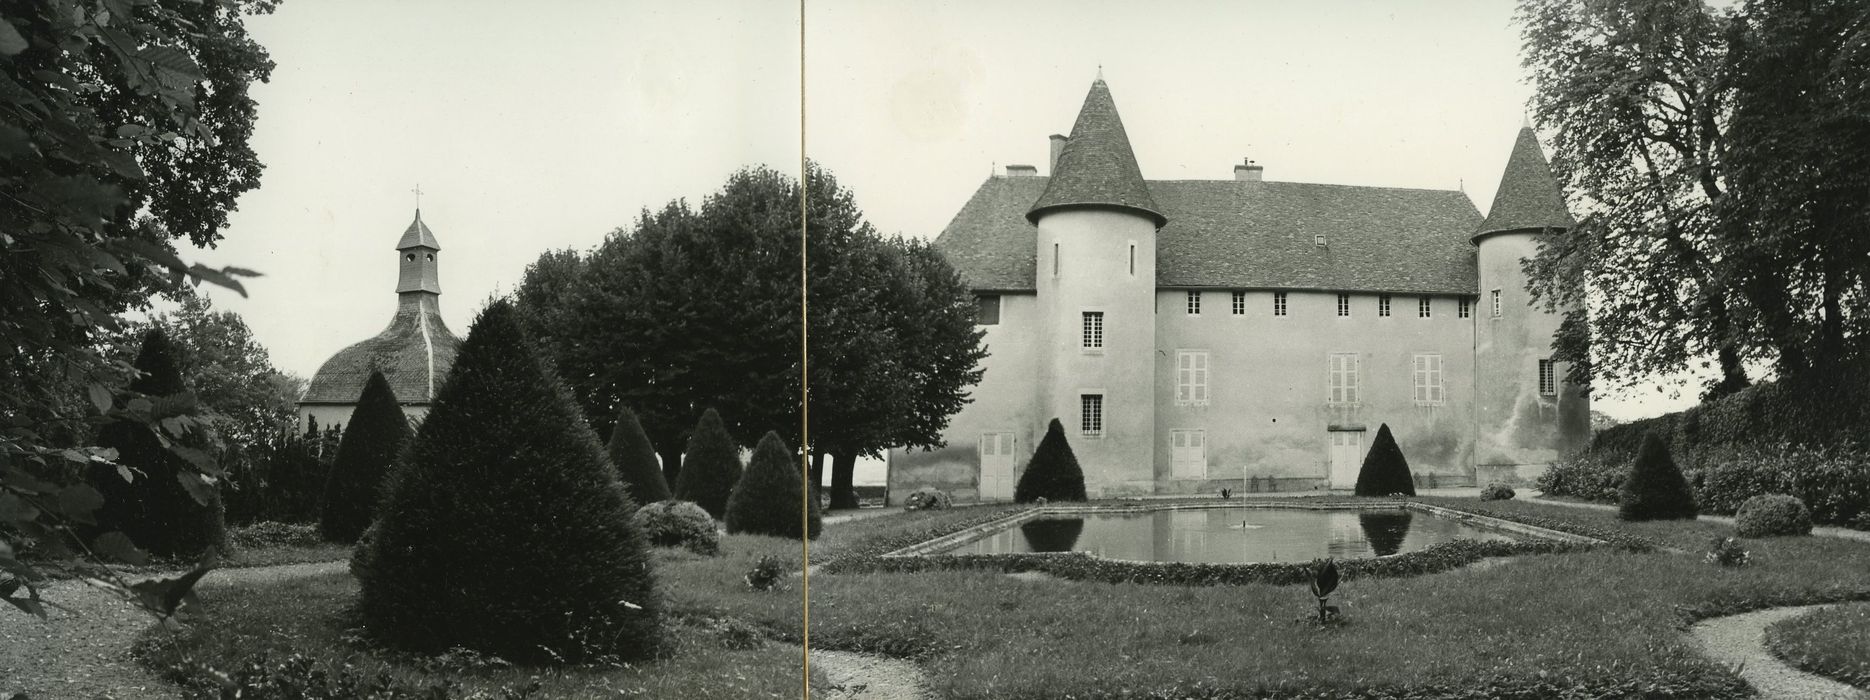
(843, 468)
(671, 454)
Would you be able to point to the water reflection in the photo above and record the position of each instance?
(1052, 534)
(1385, 530)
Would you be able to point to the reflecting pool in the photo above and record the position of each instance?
(1232, 535)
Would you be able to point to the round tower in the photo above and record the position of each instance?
(1096, 283)
(1526, 415)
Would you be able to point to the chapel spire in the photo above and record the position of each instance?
(417, 249)
(1528, 198)
(1096, 169)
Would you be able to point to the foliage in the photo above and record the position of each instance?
(505, 530)
(1655, 489)
(766, 574)
(710, 466)
(230, 372)
(366, 456)
(1053, 473)
(1324, 583)
(1497, 492)
(1585, 474)
(1385, 471)
(770, 497)
(1772, 514)
(1832, 642)
(1833, 481)
(636, 460)
(269, 534)
(1726, 551)
(165, 507)
(678, 524)
(282, 476)
(928, 498)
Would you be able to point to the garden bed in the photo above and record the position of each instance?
(1834, 643)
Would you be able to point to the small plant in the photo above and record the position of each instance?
(1727, 552)
(766, 573)
(1497, 492)
(928, 498)
(679, 524)
(1323, 584)
(1773, 514)
(1226, 494)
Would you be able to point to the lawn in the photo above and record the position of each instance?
(1833, 643)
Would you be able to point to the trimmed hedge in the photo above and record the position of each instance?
(1053, 473)
(1656, 489)
(679, 524)
(366, 454)
(1385, 471)
(636, 460)
(710, 466)
(770, 498)
(1772, 515)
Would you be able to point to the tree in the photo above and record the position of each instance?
(635, 459)
(230, 371)
(710, 466)
(506, 530)
(367, 454)
(1655, 489)
(770, 497)
(1053, 473)
(1385, 471)
(157, 507)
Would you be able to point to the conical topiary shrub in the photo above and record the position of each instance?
(1655, 489)
(366, 454)
(770, 498)
(153, 509)
(710, 466)
(505, 530)
(1053, 474)
(1385, 471)
(636, 461)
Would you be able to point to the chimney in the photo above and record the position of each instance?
(1058, 146)
(1021, 171)
(1248, 171)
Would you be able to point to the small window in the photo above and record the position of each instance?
(1343, 378)
(1422, 309)
(987, 309)
(1093, 329)
(1279, 303)
(1191, 377)
(1428, 380)
(1194, 303)
(1091, 415)
(1132, 259)
(431, 257)
(1464, 308)
(1548, 378)
(1496, 303)
(1383, 304)
(411, 257)
(1344, 304)
(1240, 303)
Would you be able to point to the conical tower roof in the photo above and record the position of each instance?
(417, 235)
(1528, 198)
(1097, 169)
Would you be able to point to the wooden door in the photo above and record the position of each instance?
(1347, 457)
(1188, 454)
(996, 467)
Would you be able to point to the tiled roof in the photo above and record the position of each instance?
(1097, 168)
(417, 235)
(1528, 197)
(414, 353)
(1234, 234)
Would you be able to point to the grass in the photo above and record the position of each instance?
(1834, 643)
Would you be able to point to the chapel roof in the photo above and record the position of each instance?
(417, 235)
(1528, 197)
(1097, 168)
(414, 353)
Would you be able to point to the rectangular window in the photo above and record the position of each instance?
(1422, 308)
(1191, 377)
(1465, 308)
(1091, 415)
(1383, 304)
(1344, 304)
(1093, 329)
(1240, 303)
(1343, 382)
(1548, 378)
(987, 309)
(1428, 384)
(1496, 303)
(1279, 303)
(1194, 303)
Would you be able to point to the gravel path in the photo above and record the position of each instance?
(82, 651)
(867, 676)
(1741, 640)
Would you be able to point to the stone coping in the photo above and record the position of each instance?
(960, 537)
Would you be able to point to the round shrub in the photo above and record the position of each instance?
(1053, 474)
(1655, 489)
(366, 454)
(1385, 471)
(1497, 492)
(1773, 514)
(636, 460)
(710, 466)
(770, 496)
(928, 498)
(505, 530)
(679, 524)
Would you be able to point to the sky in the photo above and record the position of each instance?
(547, 127)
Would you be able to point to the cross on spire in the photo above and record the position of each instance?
(418, 191)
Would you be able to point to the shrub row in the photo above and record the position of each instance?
(1833, 481)
(1809, 412)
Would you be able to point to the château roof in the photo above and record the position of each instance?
(1528, 198)
(1240, 235)
(1097, 168)
(415, 353)
(417, 236)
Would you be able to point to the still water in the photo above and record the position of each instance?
(1232, 535)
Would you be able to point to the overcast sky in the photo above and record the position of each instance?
(540, 126)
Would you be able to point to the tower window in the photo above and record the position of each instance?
(411, 257)
(431, 257)
(1194, 303)
(987, 309)
(1548, 378)
(1464, 308)
(1279, 303)
(1133, 259)
(1422, 308)
(1343, 378)
(1344, 304)
(1054, 259)
(1383, 304)
(1091, 415)
(1093, 330)
(1240, 303)
(1496, 303)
